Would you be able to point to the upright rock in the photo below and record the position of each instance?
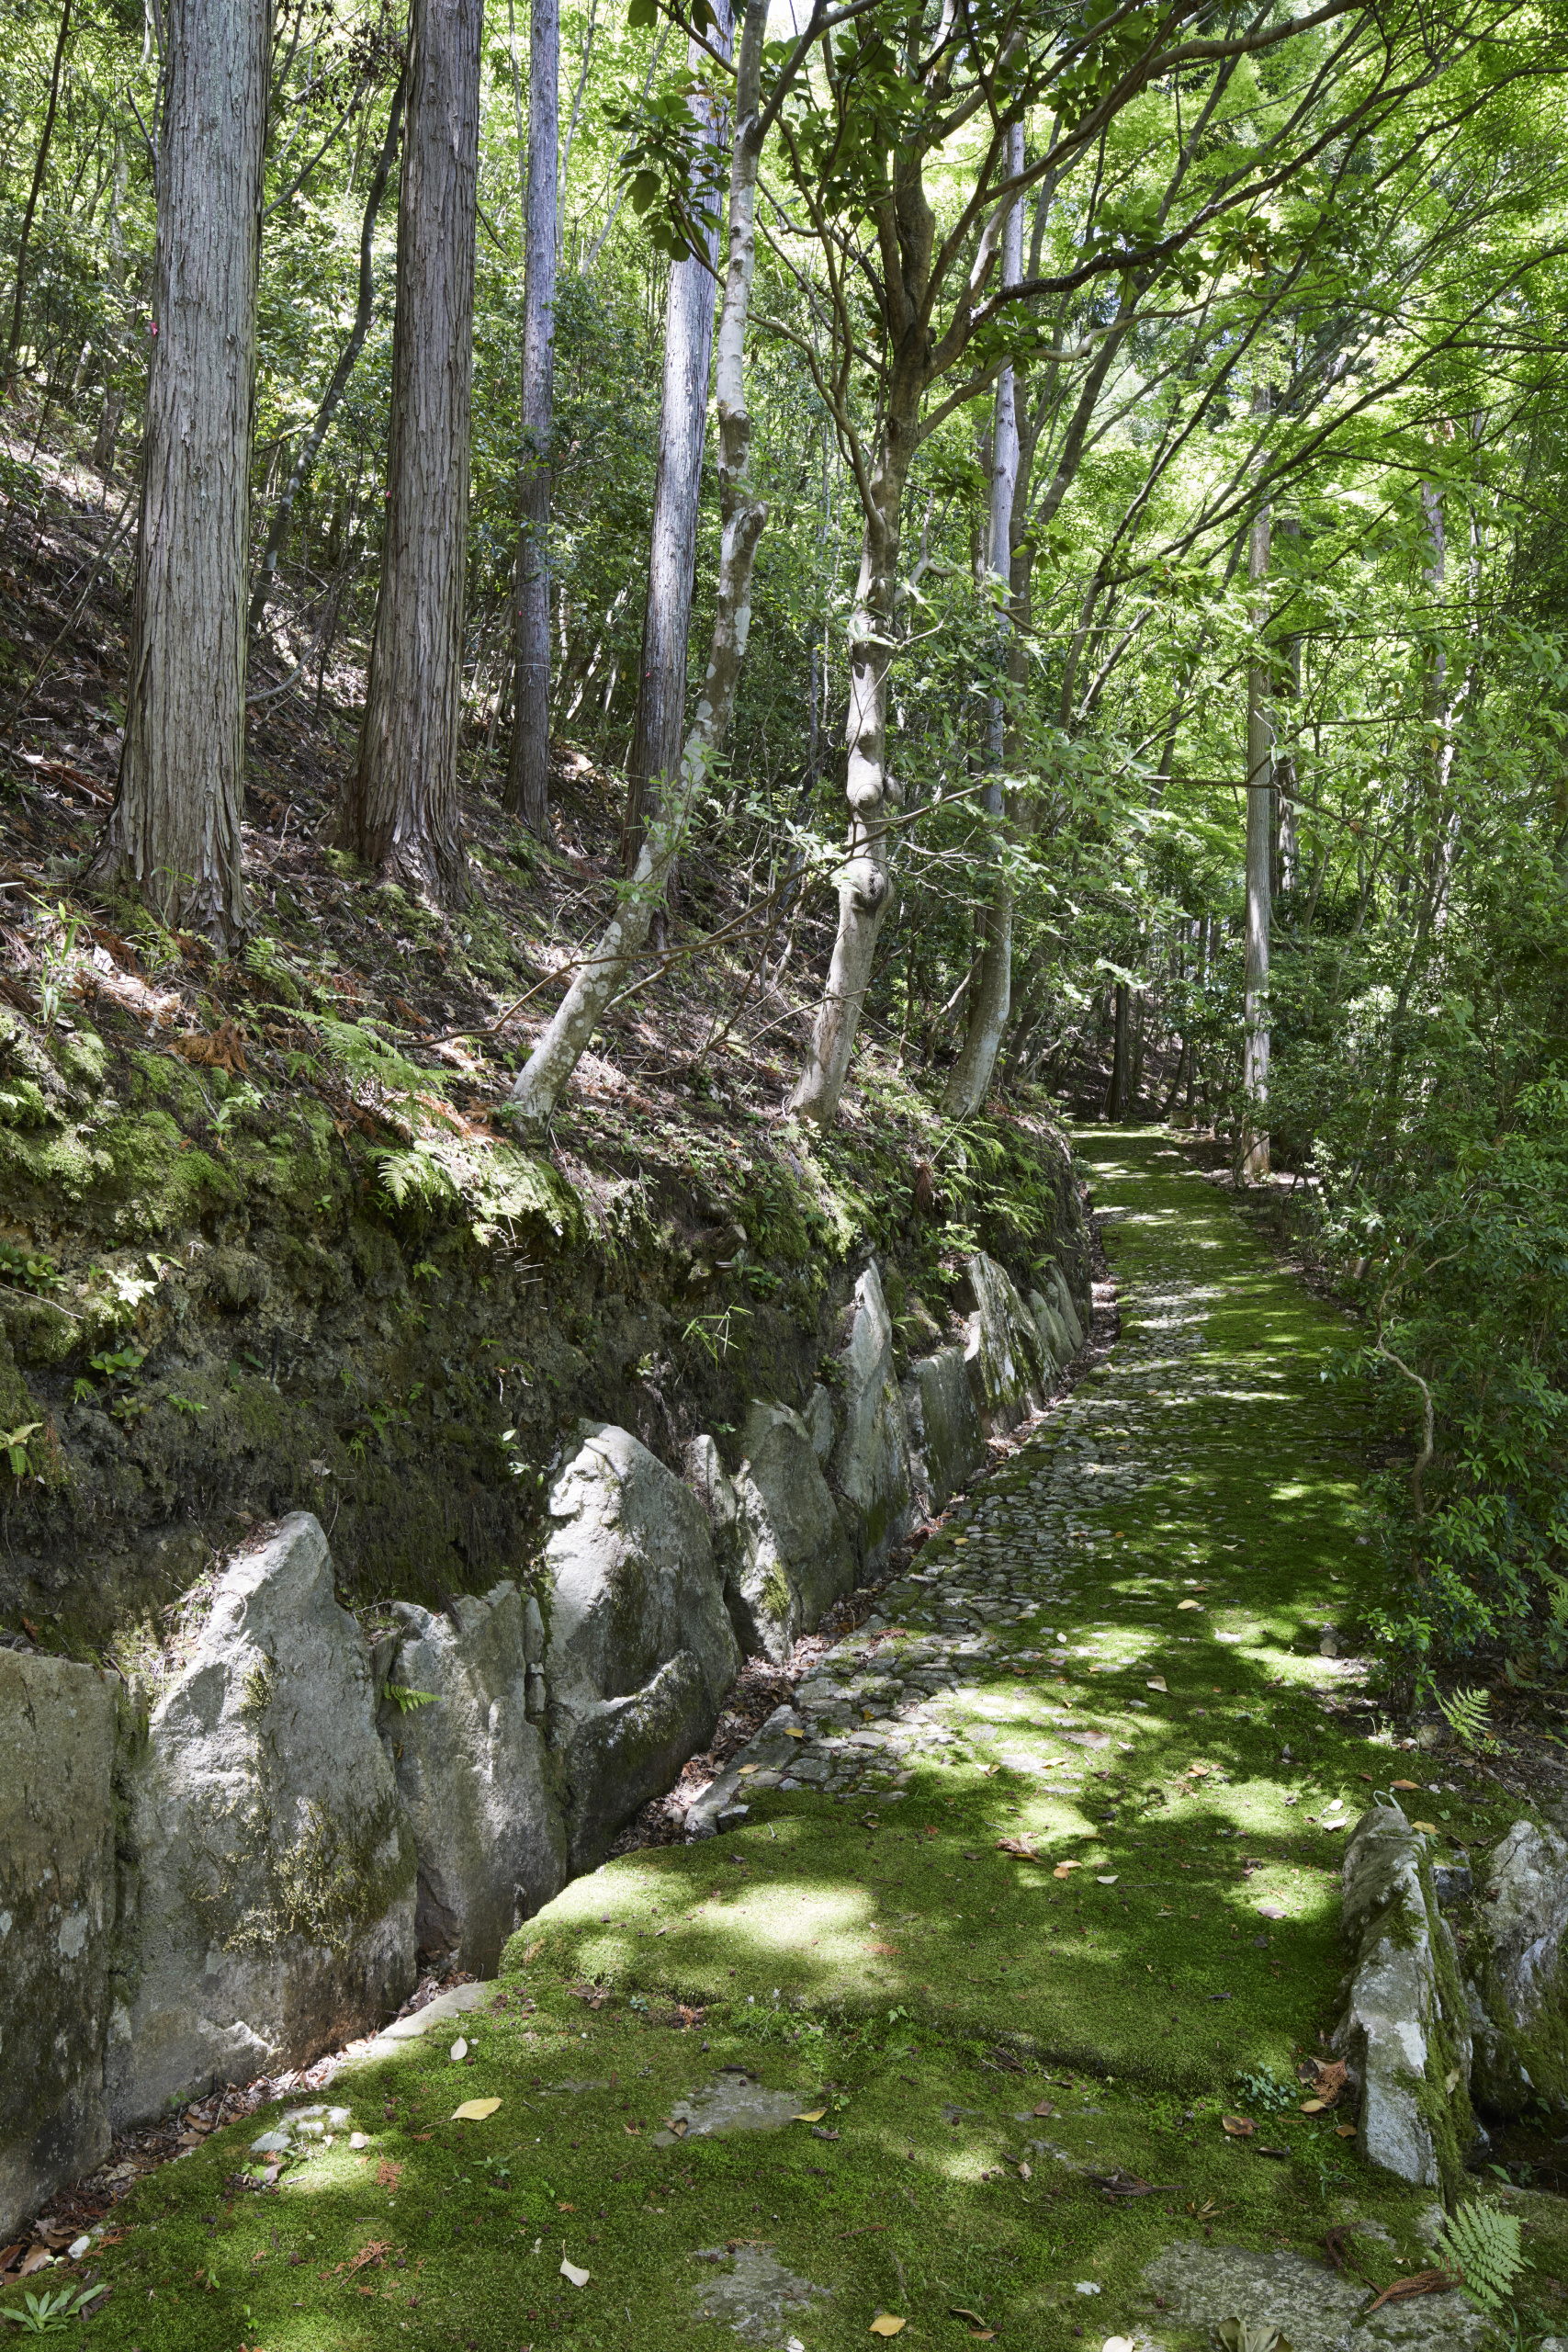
(946, 1443)
(1002, 1351)
(1053, 1283)
(1055, 1345)
(269, 1905)
(57, 1919)
(1519, 1987)
(793, 1561)
(640, 1648)
(1404, 2034)
(473, 1775)
(869, 1463)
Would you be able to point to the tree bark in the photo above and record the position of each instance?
(278, 531)
(528, 772)
(35, 190)
(555, 1057)
(174, 833)
(1254, 1161)
(402, 803)
(658, 727)
(1116, 1094)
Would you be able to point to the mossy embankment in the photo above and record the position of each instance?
(257, 1256)
(1010, 2083)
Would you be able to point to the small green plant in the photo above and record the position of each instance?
(14, 1446)
(711, 1332)
(406, 1701)
(48, 2314)
(1483, 2243)
(1265, 2090)
(185, 1405)
(1466, 1713)
(118, 1363)
(29, 1269)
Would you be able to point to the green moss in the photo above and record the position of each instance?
(22, 1104)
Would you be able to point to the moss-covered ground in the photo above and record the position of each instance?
(982, 2043)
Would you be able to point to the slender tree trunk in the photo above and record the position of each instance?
(1254, 1160)
(278, 531)
(113, 406)
(658, 727)
(991, 997)
(528, 770)
(39, 169)
(874, 794)
(1116, 1094)
(555, 1057)
(174, 833)
(402, 805)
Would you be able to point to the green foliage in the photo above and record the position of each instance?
(1265, 2090)
(1483, 2243)
(1466, 1714)
(406, 1701)
(51, 2314)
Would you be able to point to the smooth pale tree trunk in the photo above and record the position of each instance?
(1254, 1164)
(990, 999)
(278, 531)
(873, 792)
(658, 726)
(555, 1057)
(1116, 1094)
(528, 770)
(174, 833)
(401, 804)
(113, 407)
(40, 166)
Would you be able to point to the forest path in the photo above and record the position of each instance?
(1045, 1886)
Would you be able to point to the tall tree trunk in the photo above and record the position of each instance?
(113, 407)
(528, 769)
(555, 1057)
(990, 999)
(174, 833)
(683, 419)
(39, 169)
(873, 792)
(1116, 1094)
(278, 531)
(401, 810)
(1254, 1154)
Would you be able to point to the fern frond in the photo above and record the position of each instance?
(1465, 1713)
(1483, 2243)
(406, 1701)
(1556, 1595)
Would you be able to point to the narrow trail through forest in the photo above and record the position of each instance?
(1037, 1883)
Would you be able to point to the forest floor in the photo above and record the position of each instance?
(1063, 1898)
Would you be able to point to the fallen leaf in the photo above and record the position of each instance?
(459, 2051)
(1064, 1869)
(812, 2115)
(1270, 1910)
(1190, 1604)
(680, 2125)
(389, 2175)
(1405, 1784)
(1157, 1682)
(1314, 2106)
(1429, 1826)
(474, 2110)
(1019, 1846)
(1330, 2076)
(744, 1768)
(1238, 2126)
(633, 2129)
(962, 2310)
(566, 2208)
(885, 2324)
(1044, 2108)
(1117, 2344)
(1051, 1763)
(793, 1735)
(1365, 1776)
(1345, 2130)
(1108, 1881)
(225, 1049)
(1201, 2212)
(570, 2271)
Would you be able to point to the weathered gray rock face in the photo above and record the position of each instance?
(1003, 1352)
(945, 1442)
(57, 1917)
(270, 1907)
(1053, 1283)
(870, 1465)
(1394, 2034)
(1313, 2307)
(793, 1562)
(474, 1777)
(1054, 1344)
(1519, 1987)
(640, 1650)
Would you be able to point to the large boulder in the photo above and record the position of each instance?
(1053, 1283)
(640, 1649)
(1055, 1345)
(1002, 1351)
(1518, 1988)
(1404, 2034)
(868, 1468)
(792, 1561)
(57, 1922)
(474, 1776)
(946, 1443)
(268, 1905)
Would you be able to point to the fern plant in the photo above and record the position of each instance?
(406, 1701)
(1466, 1714)
(1483, 2243)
